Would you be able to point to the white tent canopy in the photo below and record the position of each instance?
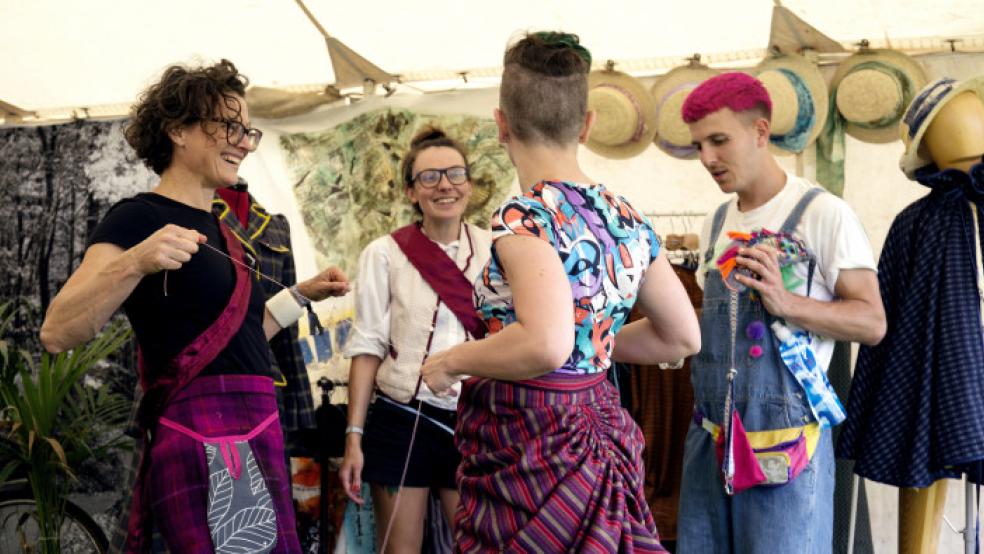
(68, 54)
(60, 56)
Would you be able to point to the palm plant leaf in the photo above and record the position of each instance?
(49, 420)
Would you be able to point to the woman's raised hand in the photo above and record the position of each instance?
(169, 248)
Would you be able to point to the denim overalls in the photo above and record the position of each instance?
(793, 518)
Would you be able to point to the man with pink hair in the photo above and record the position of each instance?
(758, 463)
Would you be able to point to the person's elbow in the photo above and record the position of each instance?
(59, 334)
(53, 341)
(551, 350)
(687, 340)
(874, 331)
(690, 342)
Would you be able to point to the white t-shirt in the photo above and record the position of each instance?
(828, 228)
(370, 335)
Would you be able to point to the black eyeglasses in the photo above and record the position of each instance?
(429, 178)
(235, 131)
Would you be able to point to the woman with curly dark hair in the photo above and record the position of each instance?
(212, 474)
(550, 460)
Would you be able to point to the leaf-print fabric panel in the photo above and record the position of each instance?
(241, 518)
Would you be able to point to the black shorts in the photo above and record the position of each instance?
(387, 438)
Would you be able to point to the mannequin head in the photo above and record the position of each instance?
(944, 126)
(955, 136)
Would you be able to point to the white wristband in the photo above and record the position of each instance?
(284, 308)
(354, 429)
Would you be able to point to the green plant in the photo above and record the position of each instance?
(50, 421)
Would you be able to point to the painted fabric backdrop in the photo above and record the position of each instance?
(348, 185)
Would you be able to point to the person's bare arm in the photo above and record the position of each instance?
(330, 282)
(856, 314)
(104, 280)
(669, 331)
(538, 342)
(362, 380)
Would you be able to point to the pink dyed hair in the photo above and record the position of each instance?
(736, 91)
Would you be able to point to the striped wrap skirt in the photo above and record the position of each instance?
(549, 471)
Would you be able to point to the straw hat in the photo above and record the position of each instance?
(799, 100)
(669, 92)
(625, 120)
(921, 112)
(872, 88)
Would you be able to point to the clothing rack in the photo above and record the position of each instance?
(690, 227)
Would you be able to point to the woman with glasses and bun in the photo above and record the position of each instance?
(212, 474)
(413, 297)
(550, 460)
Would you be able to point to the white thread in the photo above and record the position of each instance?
(234, 260)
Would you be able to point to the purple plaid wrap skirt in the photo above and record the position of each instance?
(549, 471)
(178, 477)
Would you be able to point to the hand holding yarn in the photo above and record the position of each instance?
(168, 248)
(763, 261)
(788, 251)
(438, 374)
(330, 282)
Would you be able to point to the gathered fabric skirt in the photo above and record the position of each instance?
(549, 471)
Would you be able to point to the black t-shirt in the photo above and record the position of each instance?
(196, 293)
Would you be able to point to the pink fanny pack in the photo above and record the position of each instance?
(761, 458)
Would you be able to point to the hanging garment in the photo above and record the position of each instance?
(916, 407)
(266, 237)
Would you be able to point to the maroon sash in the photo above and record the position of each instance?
(181, 371)
(443, 275)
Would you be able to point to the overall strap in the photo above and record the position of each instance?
(793, 220)
(715, 230)
(794, 217)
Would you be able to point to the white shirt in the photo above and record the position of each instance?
(828, 228)
(370, 334)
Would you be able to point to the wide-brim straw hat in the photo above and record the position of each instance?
(669, 92)
(920, 114)
(799, 100)
(625, 115)
(872, 89)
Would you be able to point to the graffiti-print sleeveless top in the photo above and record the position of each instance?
(605, 246)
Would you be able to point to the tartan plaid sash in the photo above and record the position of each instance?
(442, 274)
(183, 369)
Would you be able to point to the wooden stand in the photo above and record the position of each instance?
(920, 518)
